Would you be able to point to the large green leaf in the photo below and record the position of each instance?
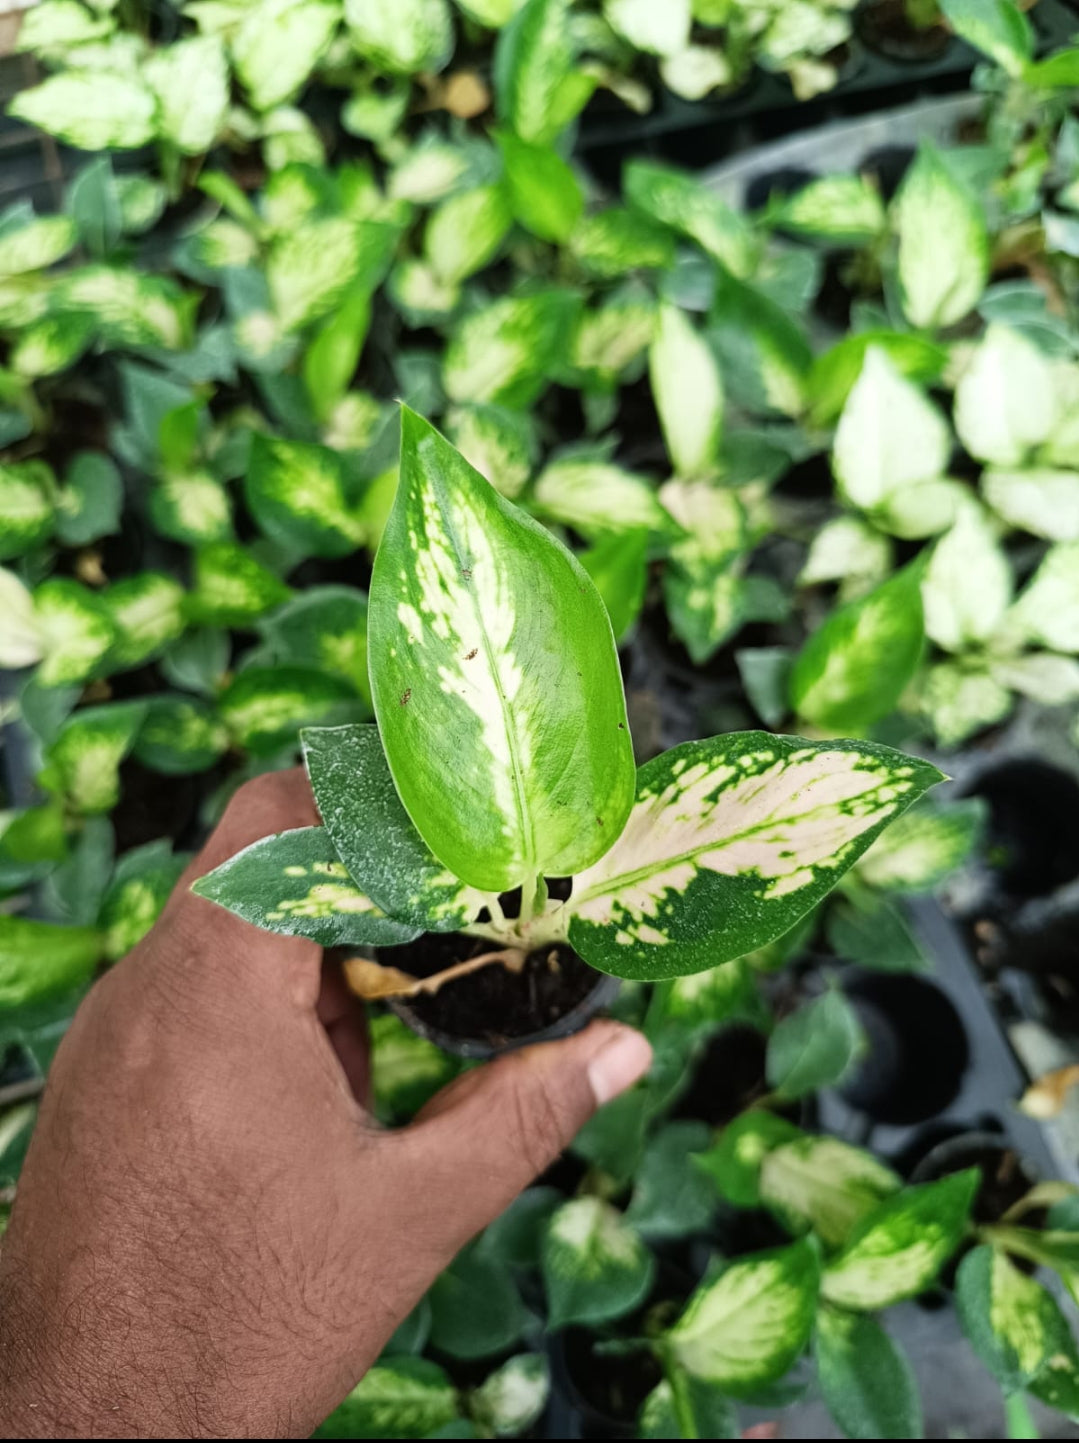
(814, 1046)
(853, 669)
(824, 1184)
(494, 677)
(688, 391)
(869, 1386)
(943, 243)
(40, 959)
(297, 492)
(402, 36)
(296, 884)
(539, 87)
(729, 843)
(91, 500)
(87, 111)
(595, 1267)
(898, 1249)
(397, 1398)
(750, 1325)
(373, 834)
(191, 81)
(968, 583)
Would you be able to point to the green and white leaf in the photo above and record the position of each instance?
(264, 708)
(75, 631)
(83, 110)
(181, 735)
(867, 1382)
(55, 27)
(40, 243)
(1006, 401)
(465, 232)
(325, 626)
(695, 71)
(191, 82)
(961, 699)
(139, 888)
(147, 611)
(1047, 611)
(853, 669)
(86, 754)
(824, 1185)
(298, 494)
(814, 1046)
(1042, 675)
(278, 45)
(847, 549)
(594, 1266)
(374, 835)
(734, 1162)
(713, 1415)
(537, 777)
(924, 508)
(27, 489)
(1039, 500)
(310, 268)
(688, 391)
(842, 209)
(539, 86)
(749, 1326)
(898, 1250)
(420, 293)
(997, 28)
(611, 338)
(681, 202)
(397, 1398)
(943, 243)
(51, 344)
(295, 884)
(655, 29)
(500, 444)
(506, 352)
(968, 583)
(21, 640)
(890, 435)
(39, 960)
(192, 507)
(129, 307)
(614, 241)
(924, 847)
(730, 841)
(510, 1401)
(401, 36)
(597, 498)
(231, 587)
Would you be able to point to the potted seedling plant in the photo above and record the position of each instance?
(492, 827)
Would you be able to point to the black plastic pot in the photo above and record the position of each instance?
(1007, 1175)
(1033, 828)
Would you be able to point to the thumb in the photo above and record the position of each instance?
(495, 1129)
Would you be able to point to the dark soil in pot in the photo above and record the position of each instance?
(885, 27)
(1033, 832)
(493, 1009)
(1006, 1175)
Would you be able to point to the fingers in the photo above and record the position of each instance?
(493, 1131)
(345, 1020)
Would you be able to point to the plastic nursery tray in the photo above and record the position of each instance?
(765, 107)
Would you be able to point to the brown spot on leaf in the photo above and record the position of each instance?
(599, 821)
(472, 653)
(466, 573)
(406, 697)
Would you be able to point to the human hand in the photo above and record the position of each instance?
(212, 1237)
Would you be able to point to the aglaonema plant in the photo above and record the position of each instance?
(502, 758)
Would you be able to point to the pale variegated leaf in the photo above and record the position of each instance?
(1006, 402)
(85, 757)
(943, 244)
(81, 109)
(491, 13)
(374, 835)
(74, 629)
(898, 1249)
(512, 759)
(51, 344)
(21, 641)
(191, 82)
(310, 268)
(402, 36)
(924, 846)
(734, 1162)
(278, 45)
(147, 611)
(325, 626)
(688, 391)
(838, 208)
(706, 602)
(598, 497)
(960, 700)
(595, 1267)
(656, 29)
(129, 307)
(231, 587)
(1047, 610)
(264, 708)
(1043, 675)
(513, 1397)
(853, 669)
(428, 172)
(695, 71)
(867, 1383)
(397, 1398)
(500, 444)
(750, 1325)
(923, 508)
(294, 883)
(847, 549)
(464, 233)
(505, 352)
(681, 202)
(27, 489)
(37, 245)
(181, 735)
(824, 1185)
(611, 337)
(834, 373)
(1012, 1322)
(763, 352)
(1041, 501)
(539, 87)
(729, 843)
(889, 436)
(614, 241)
(420, 293)
(298, 494)
(968, 583)
(55, 27)
(137, 892)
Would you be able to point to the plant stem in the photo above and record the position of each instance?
(683, 1404)
(1019, 1421)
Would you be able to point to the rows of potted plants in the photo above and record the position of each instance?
(818, 453)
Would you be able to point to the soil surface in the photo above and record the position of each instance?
(885, 28)
(493, 1005)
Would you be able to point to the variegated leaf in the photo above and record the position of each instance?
(763, 352)
(890, 435)
(729, 843)
(997, 28)
(656, 29)
(325, 626)
(844, 209)
(750, 1325)
(51, 344)
(374, 835)
(834, 373)
(899, 1248)
(311, 267)
(598, 497)
(80, 109)
(21, 641)
(265, 707)
(278, 44)
(853, 669)
(683, 203)
(138, 890)
(695, 71)
(960, 699)
(924, 847)
(129, 307)
(614, 241)
(1047, 611)
(40, 243)
(734, 1162)
(688, 391)
(294, 883)
(1041, 501)
(539, 87)
(27, 489)
(968, 583)
(75, 630)
(847, 549)
(41, 959)
(943, 244)
(181, 735)
(513, 1397)
(232, 588)
(595, 1267)
(500, 444)
(511, 756)
(402, 36)
(1006, 402)
(825, 1185)
(611, 338)
(298, 494)
(924, 508)
(505, 353)
(1042, 675)
(397, 1398)
(465, 232)
(86, 754)
(191, 82)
